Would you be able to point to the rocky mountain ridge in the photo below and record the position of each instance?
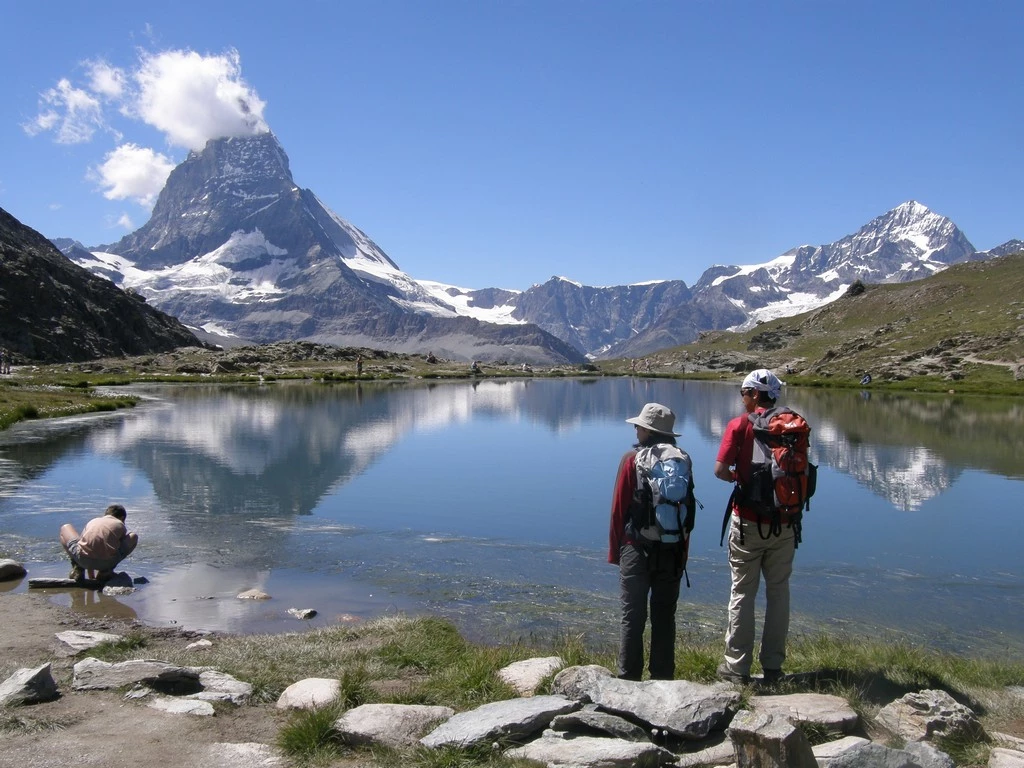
(236, 248)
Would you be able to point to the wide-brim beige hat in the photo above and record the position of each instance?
(657, 418)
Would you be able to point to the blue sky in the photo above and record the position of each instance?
(498, 143)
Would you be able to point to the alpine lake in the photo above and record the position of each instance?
(487, 502)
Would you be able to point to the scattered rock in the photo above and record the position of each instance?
(182, 706)
(245, 755)
(525, 676)
(11, 569)
(514, 719)
(253, 594)
(301, 613)
(28, 686)
(310, 693)
(389, 725)
(769, 740)
(581, 751)
(923, 715)
(81, 640)
(199, 645)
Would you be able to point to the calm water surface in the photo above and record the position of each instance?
(488, 503)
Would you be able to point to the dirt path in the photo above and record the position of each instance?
(100, 729)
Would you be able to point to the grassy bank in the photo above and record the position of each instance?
(426, 661)
(20, 402)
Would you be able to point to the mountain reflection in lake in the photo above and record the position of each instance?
(488, 502)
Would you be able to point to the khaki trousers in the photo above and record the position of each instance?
(748, 562)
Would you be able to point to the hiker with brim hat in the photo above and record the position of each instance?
(649, 571)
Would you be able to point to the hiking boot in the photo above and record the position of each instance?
(726, 674)
(104, 576)
(76, 572)
(771, 676)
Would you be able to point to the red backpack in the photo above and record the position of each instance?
(782, 479)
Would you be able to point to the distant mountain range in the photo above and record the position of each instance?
(236, 249)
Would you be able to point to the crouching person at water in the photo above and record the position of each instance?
(648, 569)
(103, 544)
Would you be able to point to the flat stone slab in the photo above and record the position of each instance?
(832, 712)
(582, 751)
(390, 725)
(81, 640)
(44, 582)
(513, 719)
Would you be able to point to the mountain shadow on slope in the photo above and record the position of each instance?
(52, 310)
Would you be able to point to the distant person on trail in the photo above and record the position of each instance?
(649, 568)
(359, 365)
(5, 361)
(751, 554)
(103, 544)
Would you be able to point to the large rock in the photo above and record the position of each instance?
(390, 725)
(926, 714)
(309, 693)
(583, 751)
(831, 712)
(11, 569)
(93, 674)
(514, 719)
(28, 686)
(766, 740)
(684, 709)
(715, 750)
(525, 676)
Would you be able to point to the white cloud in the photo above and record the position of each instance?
(125, 222)
(132, 172)
(190, 98)
(193, 98)
(73, 113)
(106, 80)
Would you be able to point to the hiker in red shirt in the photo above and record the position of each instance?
(751, 555)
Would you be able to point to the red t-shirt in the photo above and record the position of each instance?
(737, 450)
(622, 497)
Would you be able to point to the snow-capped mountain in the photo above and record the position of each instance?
(236, 248)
